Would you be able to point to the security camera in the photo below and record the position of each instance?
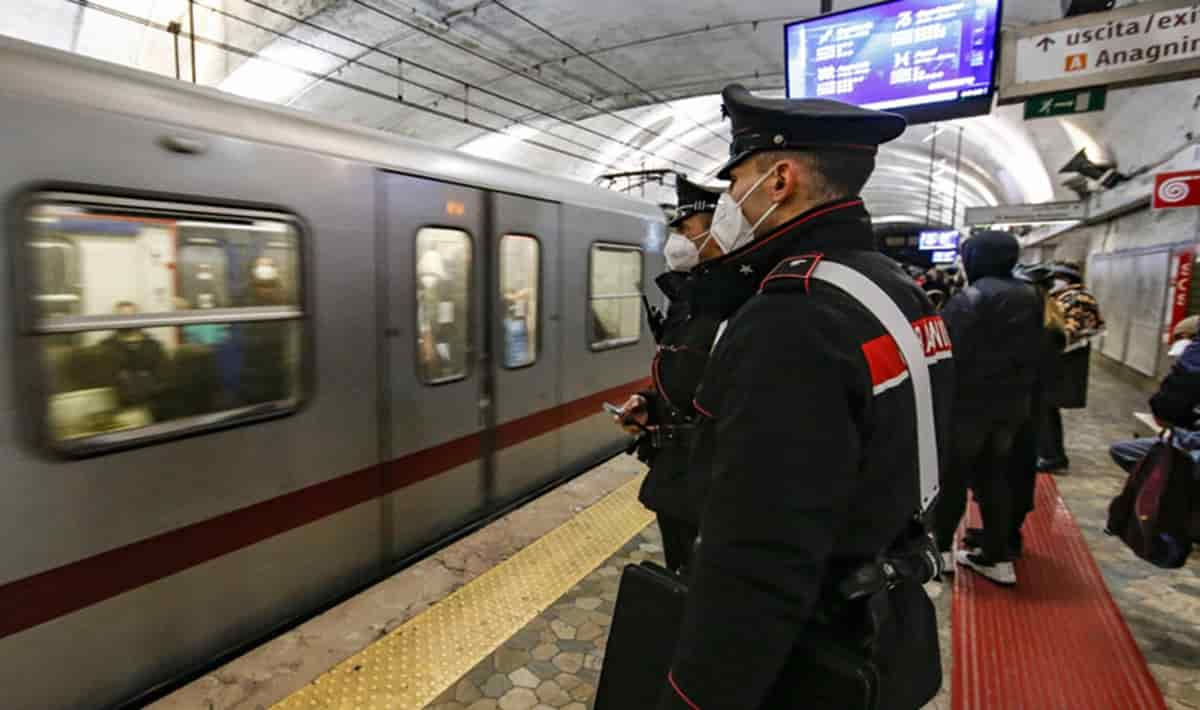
(1105, 173)
(1079, 185)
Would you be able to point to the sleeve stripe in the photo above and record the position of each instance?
(886, 363)
(680, 693)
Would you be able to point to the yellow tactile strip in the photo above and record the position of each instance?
(410, 667)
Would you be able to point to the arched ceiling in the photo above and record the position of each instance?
(572, 88)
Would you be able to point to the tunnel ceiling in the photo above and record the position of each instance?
(578, 89)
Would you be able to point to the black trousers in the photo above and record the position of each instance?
(1023, 474)
(678, 536)
(1050, 434)
(981, 458)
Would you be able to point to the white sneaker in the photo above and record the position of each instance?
(998, 572)
(948, 564)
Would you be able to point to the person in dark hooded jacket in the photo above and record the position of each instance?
(995, 327)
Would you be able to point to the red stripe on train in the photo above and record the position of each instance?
(34, 600)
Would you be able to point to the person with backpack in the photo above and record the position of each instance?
(1157, 514)
(1083, 321)
(1173, 396)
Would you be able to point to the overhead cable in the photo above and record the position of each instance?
(448, 77)
(358, 61)
(146, 22)
(545, 85)
(580, 53)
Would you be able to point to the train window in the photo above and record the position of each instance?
(520, 274)
(153, 320)
(616, 296)
(443, 305)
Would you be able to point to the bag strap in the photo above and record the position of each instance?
(876, 300)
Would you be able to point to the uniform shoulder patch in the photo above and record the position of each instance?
(794, 271)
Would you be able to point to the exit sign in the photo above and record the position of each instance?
(1065, 103)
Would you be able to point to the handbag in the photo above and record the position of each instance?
(1153, 515)
(829, 669)
(641, 642)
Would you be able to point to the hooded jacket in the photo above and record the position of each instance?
(995, 326)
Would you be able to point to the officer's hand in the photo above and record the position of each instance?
(634, 414)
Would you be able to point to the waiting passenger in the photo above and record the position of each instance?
(1023, 468)
(1083, 321)
(1175, 402)
(996, 328)
(664, 416)
(138, 360)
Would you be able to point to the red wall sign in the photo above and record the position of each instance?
(1181, 189)
(1182, 288)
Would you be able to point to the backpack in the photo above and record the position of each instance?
(1153, 514)
(1081, 312)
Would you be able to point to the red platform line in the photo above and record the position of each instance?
(1055, 641)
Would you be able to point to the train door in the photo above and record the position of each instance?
(526, 340)
(432, 251)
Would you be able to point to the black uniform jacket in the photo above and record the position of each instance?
(809, 439)
(684, 343)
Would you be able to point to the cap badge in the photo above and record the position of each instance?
(778, 139)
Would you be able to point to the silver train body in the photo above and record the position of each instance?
(133, 557)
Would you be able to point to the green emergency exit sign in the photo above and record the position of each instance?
(1065, 103)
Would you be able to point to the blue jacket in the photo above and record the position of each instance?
(1176, 400)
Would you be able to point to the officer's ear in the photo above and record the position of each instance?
(789, 180)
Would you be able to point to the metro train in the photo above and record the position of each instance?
(257, 361)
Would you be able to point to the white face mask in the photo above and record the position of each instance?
(682, 253)
(730, 227)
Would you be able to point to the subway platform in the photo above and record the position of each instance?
(516, 616)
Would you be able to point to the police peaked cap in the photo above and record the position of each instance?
(761, 124)
(693, 199)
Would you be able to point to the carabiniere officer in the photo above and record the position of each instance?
(808, 434)
(663, 417)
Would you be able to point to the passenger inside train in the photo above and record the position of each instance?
(519, 263)
(443, 310)
(146, 371)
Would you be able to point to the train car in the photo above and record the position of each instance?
(256, 360)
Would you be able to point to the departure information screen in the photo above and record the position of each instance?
(937, 240)
(897, 55)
